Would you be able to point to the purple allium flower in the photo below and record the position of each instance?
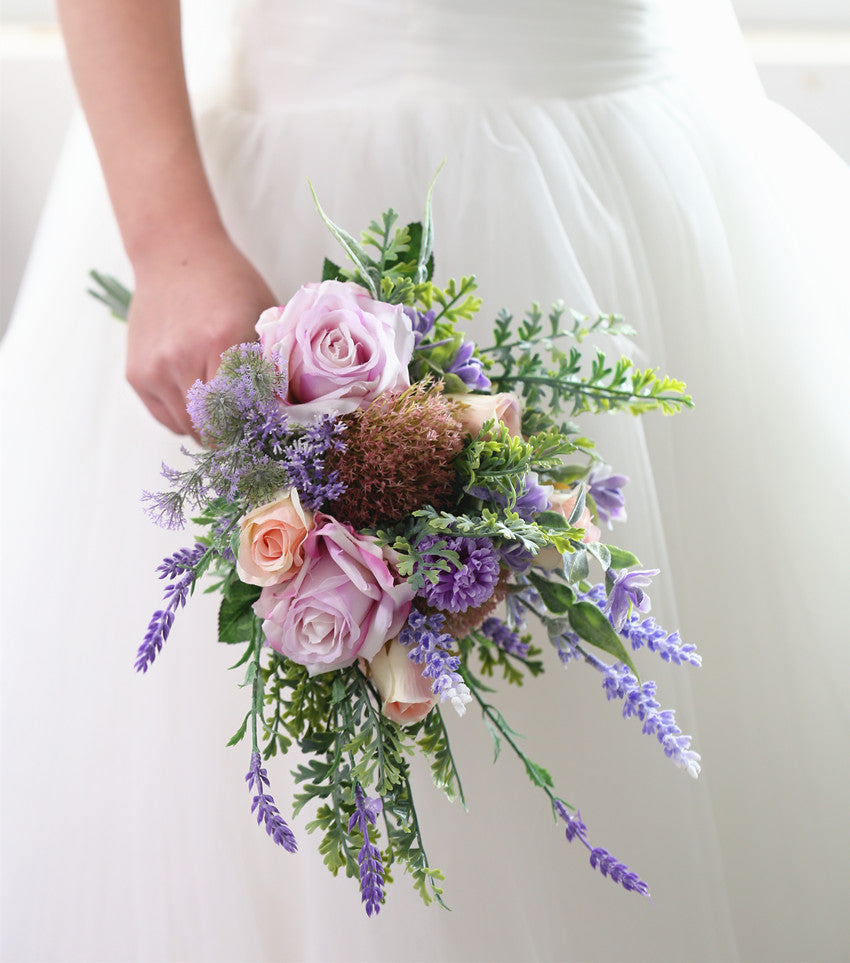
(628, 590)
(179, 569)
(264, 805)
(467, 583)
(369, 859)
(639, 700)
(421, 321)
(433, 649)
(503, 636)
(469, 369)
(605, 489)
(600, 858)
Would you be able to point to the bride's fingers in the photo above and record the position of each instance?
(162, 412)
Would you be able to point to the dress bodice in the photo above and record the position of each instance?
(311, 52)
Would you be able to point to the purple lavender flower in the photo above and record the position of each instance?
(628, 591)
(469, 369)
(421, 321)
(600, 858)
(304, 461)
(668, 645)
(180, 570)
(639, 700)
(467, 583)
(369, 861)
(502, 635)
(433, 649)
(605, 489)
(267, 811)
(566, 644)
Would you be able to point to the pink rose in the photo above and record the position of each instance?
(344, 603)
(341, 349)
(473, 410)
(270, 545)
(406, 693)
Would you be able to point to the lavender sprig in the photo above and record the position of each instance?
(181, 569)
(600, 858)
(627, 592)
(264, 805)
(639, 700)
(433, 649)
(504, 637)
(639, 633)
(366, 812)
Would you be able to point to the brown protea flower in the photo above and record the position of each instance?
(398, 456)
(460, 624)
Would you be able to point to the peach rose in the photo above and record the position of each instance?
(270, 545)
(473, 410)
(563, 502)
(406, 693)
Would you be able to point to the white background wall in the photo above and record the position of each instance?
(802, 48)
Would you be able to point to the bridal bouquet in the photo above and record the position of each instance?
(384, 506)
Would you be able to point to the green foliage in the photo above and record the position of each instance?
(592, 625)
(235, 615)
(112, 293)
(499, 461)
(553, 380)
(512, 667)
(404, 844)
(433, 740)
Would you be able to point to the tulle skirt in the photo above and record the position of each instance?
(718, 226)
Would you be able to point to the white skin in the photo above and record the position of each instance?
(195, 293)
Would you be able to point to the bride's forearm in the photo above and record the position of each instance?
(127, 62)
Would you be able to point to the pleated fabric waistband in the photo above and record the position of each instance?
(312, 52)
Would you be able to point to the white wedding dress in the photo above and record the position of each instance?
(595, 151)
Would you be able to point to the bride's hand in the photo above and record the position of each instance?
(191, 302)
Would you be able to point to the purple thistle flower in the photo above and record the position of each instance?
(433, 649)
(628, 591)
(504, 637)
(467, 583)
(605, 489)
(639, 700)
(600, 858)
(421, 321)
(264, 805)
(179, 568)
(469, 369)
(369, 858)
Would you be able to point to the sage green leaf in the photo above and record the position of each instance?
(592, 625)
(556, 596)
(620, 558)
(235, 615)
(576, 568)
(553, 520)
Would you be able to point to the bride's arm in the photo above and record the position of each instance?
(195, 294)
